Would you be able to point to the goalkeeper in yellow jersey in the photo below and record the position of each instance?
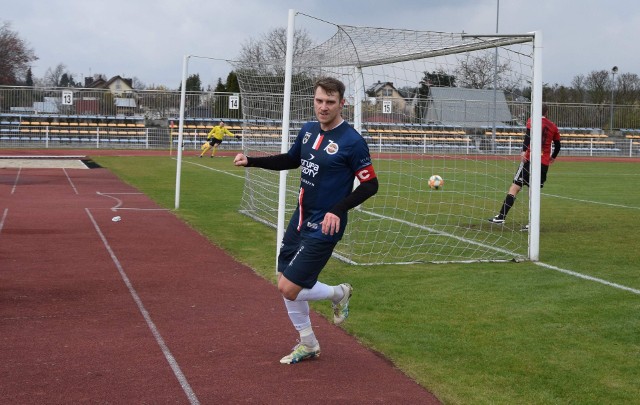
(214, 138)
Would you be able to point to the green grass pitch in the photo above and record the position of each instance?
(479, 333)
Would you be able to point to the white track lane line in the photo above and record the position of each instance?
(15, 183)
(73, 186)
(4, 216)
(154, 330)
(119, 202)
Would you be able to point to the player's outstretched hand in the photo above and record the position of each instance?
(240, 160)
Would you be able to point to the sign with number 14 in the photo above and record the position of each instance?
(234, 102)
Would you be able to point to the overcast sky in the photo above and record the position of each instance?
(147, 39)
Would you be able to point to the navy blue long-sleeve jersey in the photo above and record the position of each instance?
(329, 162)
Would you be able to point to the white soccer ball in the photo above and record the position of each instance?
(435, 182)
(116, 219)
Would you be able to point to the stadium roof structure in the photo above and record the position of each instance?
(458, 106)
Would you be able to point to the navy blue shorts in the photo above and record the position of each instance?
(302, 258)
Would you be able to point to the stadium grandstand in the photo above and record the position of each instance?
(111, 114)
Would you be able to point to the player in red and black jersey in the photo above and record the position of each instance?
(331, 154)
(550, 136)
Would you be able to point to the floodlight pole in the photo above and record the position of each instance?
(183, 97)
(614, 70)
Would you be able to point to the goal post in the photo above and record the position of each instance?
(536, 150)
(418, 99)
(284, 141)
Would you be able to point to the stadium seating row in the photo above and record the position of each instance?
(72, 140)
(229, 127)
(81, 121)
(563, 134)
(82, 124)
(72, 134)
(75, 131)
(425, 131)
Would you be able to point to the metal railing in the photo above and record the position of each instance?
(100, 137)
(96, 118)
(148, 104)
(163, 105)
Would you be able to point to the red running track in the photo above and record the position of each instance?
(146, 310)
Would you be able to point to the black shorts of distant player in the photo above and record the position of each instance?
(522, 175)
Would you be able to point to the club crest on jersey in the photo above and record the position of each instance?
(307, 135)
(332, 148)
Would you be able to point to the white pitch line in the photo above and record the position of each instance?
(548, 266)
(214, 170)
(590, 278)
(154, 330)
(437, 232)
(432, 230)
(592, 202)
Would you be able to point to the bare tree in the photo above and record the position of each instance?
(578, 84)
(275, 42)
(253, 53)
(53, 76)
(267, 53)
(477, 72)
(15, 56)
(559, 94)
(138, 84)
(627, 88)
(598, 86)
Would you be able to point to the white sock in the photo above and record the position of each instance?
(298, 314)
(320, 291)
(338, 294)
(307, 337)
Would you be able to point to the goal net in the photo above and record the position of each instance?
(428, 103)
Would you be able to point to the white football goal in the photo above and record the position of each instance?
(451, 104)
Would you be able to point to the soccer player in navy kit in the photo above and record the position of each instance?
(331, 154)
